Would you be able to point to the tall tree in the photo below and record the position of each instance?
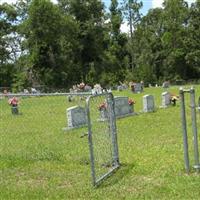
(89, 15)
(173, 40)
(7, 29)
(193, 41)
(131, 10)
(49, 39)
(116, 54)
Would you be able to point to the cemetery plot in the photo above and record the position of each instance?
(165, 99)
(76, 117)
(123, 107)
(102, 137)
(148, 103)
(41, 113)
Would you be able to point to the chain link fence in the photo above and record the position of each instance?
(102, 136)
(42, 113)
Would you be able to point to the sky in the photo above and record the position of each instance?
(147, 4)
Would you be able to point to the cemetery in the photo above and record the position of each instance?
(35, 146)
(99, 99)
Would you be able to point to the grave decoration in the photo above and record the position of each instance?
(173, 99)
(13, 102)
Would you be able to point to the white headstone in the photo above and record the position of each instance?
(165, 99)
(148, 103)
(122, 106)
(76, 117)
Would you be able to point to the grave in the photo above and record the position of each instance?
(166, 84)
(137, 87)
(76, 117)
(165, 99)
(148, 103)
(119, 88)
(122, 108)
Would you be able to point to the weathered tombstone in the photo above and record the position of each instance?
(148, 103)
(165, 99)
(87, 88)
(165, 84)
(122, 107)
(76, 117)
(137, 87)
(97, 89)
(119, 88)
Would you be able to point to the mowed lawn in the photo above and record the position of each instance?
(38, 160)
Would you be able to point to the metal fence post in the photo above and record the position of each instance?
(90, 141)
(113, 129)
(194, 129)
(184, 128)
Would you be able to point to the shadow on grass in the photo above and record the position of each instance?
(117, 176)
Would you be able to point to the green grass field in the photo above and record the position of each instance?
(40, 161)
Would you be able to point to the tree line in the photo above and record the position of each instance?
(58, 45)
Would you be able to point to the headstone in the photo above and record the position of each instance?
(148, 103)
(165, 99)
(122, 106)
(137, 87)
(97, 89)
(165, 84)
(119, 88)
(87, 88)
(76, 117)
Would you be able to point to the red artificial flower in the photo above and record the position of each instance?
(131, 102)
(13, 101)
(102, 106)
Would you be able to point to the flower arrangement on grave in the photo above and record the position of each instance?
(131, 102)
(82, 86)
(173, 99)
(102, 106)
(13, 102)
(103, 110)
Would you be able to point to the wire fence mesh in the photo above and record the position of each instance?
(37, 112)
(102, 136)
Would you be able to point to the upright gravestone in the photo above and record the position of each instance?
(137, 87)
(119, 88)
(76, 117)
(122, 107)
(165, 99)
(165, 84)
(148, 103)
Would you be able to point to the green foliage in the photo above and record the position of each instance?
(58, 45)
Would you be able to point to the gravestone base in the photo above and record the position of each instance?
(71, 128)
